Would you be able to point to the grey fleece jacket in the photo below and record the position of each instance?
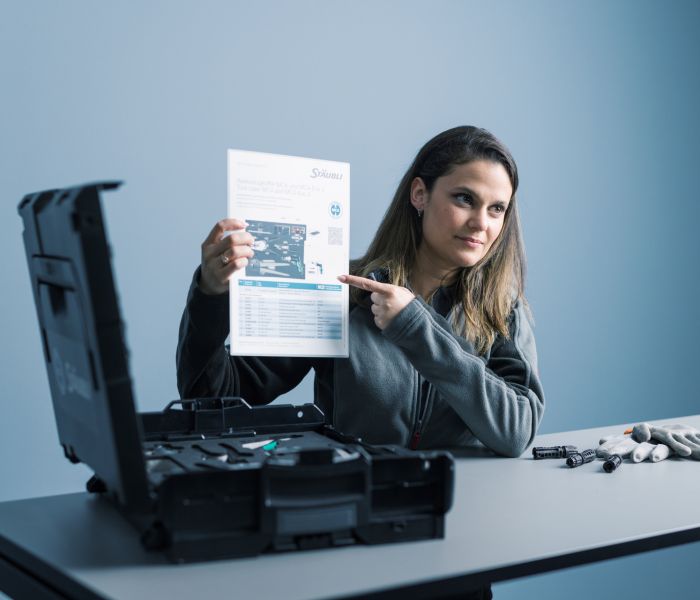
(417, 383)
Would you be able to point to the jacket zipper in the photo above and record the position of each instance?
(420, 412)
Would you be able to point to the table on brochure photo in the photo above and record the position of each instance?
(511, 517)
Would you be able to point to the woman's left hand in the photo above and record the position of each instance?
(387, 300)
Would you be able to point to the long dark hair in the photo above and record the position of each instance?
(489, 289)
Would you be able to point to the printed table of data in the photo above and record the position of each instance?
(289, 310)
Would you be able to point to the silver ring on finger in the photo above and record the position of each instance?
(225, 258)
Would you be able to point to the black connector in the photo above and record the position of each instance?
(579, 458)
(613, 462)
(553, 452)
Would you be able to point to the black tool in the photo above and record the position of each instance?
(579, 458)
(184, 476)
(553, 452)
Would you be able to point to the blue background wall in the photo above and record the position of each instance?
(598, 102)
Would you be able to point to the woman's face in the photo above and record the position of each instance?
(463, 214)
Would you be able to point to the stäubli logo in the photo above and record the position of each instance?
(325, 174)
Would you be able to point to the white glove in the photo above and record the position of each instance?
(683, 439)
(624, 446)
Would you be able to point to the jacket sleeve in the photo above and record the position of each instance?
(204, 367)
(500, 398)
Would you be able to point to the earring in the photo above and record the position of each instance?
(420, 212)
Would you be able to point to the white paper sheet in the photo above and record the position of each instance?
(288, 301)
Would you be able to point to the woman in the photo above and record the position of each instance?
(441, 348)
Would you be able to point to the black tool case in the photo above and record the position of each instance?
(204, 478)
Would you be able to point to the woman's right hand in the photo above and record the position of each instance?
(226, 249)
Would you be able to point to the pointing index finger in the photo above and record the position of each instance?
(364, 283)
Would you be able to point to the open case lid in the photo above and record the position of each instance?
(83, 338)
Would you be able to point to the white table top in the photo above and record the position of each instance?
(510, 517)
